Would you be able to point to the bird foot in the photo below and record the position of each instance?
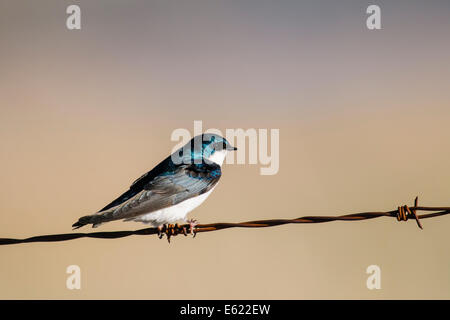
(171, 230)
(192, 224)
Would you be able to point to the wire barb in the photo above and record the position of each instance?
(405, 212)
(402, 213)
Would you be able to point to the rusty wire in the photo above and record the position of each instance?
(402, 213)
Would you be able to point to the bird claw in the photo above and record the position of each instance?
(175, 229)
(160, 231)
(170, 230)
(192, 224)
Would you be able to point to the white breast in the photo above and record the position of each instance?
(174, 213)
(218, 157)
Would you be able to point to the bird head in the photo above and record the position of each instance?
(215, 147)
(207, 147)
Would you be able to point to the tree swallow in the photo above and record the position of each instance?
(172, 189)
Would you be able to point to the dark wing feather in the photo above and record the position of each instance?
(167, 189)
(186, 182)
(140, 183)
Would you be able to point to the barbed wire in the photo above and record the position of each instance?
(402, 213)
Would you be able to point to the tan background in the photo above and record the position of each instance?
(364, 125)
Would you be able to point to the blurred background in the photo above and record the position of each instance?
(363, 118)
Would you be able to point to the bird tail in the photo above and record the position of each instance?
(95, 219)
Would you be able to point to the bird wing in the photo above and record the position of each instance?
(138, 185)
(168, 189)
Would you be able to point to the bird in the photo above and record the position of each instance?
(172, 189)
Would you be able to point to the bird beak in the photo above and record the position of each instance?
(230, 148)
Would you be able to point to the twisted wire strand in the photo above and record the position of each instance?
(403, 213)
